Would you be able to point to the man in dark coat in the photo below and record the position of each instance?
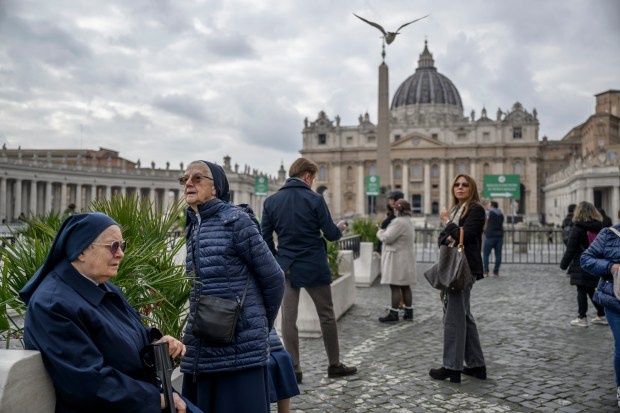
(298, 215)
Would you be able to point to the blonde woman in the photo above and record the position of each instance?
(461, 344)
(398, 267)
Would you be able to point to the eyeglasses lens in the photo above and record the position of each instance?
(116, 245)
(461, 184)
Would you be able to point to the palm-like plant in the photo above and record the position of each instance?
(366, 228)
(149, 277)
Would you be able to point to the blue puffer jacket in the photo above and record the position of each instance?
(229, 248)
(598, 259)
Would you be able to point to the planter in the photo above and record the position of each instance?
(367, 266)
(343, 296)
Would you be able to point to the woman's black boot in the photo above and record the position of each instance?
(391, 317)
(444, 373)
(477, 372)
(408, 314)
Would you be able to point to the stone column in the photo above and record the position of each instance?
(442, 184)
(3, 198)
(473, 170)
(63, 197)
(78, 197)
(427, 187)
(337, 211)
(360, 206)
(615, 203)
(405, 179)
(18, 198)
(108, 192)
(48, 197)
(449, 180)
(33, 198)
(152, 197)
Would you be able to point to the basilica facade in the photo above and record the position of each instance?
(430, 141)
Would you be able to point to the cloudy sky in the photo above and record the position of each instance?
(162, 80)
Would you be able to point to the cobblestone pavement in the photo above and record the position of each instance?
(536, 361)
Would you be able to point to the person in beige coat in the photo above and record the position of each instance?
(398, 263)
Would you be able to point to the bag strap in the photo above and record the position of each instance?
(461, 238)
(245, 290)
(615, 231)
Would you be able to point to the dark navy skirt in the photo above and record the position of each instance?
(282, 382)
(240, 391)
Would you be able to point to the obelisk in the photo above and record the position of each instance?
(383, 135)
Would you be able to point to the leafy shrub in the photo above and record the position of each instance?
(333, 258)
(153, 283)
(366, 228)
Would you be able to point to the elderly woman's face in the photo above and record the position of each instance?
(97, 261)
(199, 188)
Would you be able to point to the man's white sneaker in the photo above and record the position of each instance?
(599, 320)
(579, 322)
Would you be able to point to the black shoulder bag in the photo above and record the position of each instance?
(215, 318)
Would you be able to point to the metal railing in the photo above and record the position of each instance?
(521, 246)
(351, 243)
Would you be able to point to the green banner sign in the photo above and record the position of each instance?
(372, 185)
(502, 186)
(261, 186)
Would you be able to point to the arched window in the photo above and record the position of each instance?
(372, 169)
(349, 173)
(416, 170)
(461, 167)
(398, 172)
(322, 173)
(518, 168)
(434, 171)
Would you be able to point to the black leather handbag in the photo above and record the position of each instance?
(215, 318)
(451, 271)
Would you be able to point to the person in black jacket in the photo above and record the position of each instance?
(461, 344)
(586, 219)
(567, 223)
(493, 238)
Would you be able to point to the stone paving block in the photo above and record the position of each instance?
(535, 364)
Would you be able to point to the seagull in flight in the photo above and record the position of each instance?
(388, 36)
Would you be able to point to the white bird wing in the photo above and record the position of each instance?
(407, 24)
(375, 24)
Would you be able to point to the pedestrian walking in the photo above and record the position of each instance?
(398, 262)
(586, 219)
(493, 238)
(462, 351)
(228, 259)
(567, 223)
(300, 218)
(602, 258)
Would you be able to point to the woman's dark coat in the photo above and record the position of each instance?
(577, 244)
(473, 226)
(598, 260)
(228, 248)
(90, 340)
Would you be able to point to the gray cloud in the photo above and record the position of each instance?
(182, 105)
(166, 81)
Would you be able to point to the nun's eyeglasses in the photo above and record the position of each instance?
(194, 178)
(114, 246)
